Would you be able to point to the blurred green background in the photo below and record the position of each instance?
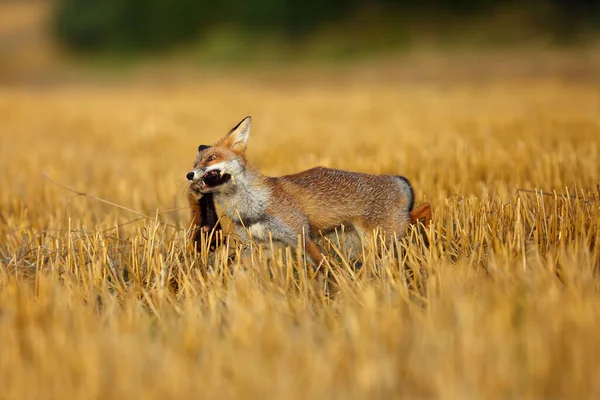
(40, 40)
(150, 25)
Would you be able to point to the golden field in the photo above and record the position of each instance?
(102, 300)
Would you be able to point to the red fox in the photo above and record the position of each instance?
(308, 203)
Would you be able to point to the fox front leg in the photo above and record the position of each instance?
(312, 252)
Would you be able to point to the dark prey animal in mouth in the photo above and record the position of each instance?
(214, 178)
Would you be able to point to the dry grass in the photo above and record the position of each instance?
(96, 303)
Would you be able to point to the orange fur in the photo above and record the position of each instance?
(421, 213)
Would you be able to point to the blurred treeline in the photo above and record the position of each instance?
(142, 25)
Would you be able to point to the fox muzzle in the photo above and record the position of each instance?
(194, 175)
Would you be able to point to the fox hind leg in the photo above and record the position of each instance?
(390, 230)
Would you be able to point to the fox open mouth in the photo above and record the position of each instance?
(213, 179)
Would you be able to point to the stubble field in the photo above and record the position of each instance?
(101, 300)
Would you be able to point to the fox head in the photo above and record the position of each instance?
(217, 167)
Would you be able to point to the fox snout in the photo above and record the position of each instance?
(193, 175)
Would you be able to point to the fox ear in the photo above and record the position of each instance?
(238, 136)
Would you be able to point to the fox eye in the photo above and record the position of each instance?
(211, 158)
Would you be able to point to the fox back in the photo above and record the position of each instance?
(332, 197)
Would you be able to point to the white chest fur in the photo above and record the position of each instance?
(244, 199)
(259, 231)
